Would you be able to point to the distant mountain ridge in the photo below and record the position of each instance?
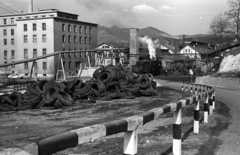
(120, 36)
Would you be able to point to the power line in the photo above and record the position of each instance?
(49, 28)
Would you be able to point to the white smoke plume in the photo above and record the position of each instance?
(152, 45)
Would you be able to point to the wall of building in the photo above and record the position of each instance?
(39, 45)
(72, 61)
(188, 51)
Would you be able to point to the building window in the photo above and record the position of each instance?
(80, 40)
(69, 28)
(63, 39)
(90, 30)
(34, 38)
(63, 55)
(44, 51)
(70, 64)
(64, 64)
(34, 27)
(90, 40)
(44, 38)
(85, 40)
(5, 54)
(85, 30)
(25, 53)
(69, 39)
(35, 65)
(63, 27)
(44, 65)
(4, 21)
(26, 65)
(12, 54)
(25, 39)
(44, 26)
(24, 27)
(69, 55)
(5, 41)
(75, 28)
(5, 32)
(34, 53)
(12, 20)
(75, 39)
(80, 29)
(12, 41)
(12, 32)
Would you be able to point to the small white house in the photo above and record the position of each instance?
(190, 52)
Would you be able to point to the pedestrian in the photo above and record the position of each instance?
(166, 72)
(191, 73)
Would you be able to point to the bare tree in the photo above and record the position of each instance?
(219, 29)
(233, 16)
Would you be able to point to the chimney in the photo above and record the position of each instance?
(30, 6)
(183, 39)
(134, 47)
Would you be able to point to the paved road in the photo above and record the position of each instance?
(231, 137)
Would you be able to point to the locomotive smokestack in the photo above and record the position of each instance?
(30, 6)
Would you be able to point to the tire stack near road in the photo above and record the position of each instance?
(110, 82)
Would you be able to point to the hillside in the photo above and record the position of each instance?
(120, 37)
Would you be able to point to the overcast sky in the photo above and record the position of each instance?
(171, 16)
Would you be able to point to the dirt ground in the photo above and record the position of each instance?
(155, 138)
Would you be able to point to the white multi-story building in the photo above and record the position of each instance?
(28, 35)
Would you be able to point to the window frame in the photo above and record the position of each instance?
(34, 38)
(44, 38)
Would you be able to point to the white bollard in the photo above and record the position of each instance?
(177, 137)
(130, 142)
(196, 117)
(210, 104)
(213, 99)
(206, 110)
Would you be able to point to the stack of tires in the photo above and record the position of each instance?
(110, 82)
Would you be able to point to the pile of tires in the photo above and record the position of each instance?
(110, 82)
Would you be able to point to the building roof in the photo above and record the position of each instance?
(200, 47)
(224, 50)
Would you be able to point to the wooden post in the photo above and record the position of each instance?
(177, 137)
(196, 117)
(130, 142)
(31, 72)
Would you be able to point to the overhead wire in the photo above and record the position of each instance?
(49, 28)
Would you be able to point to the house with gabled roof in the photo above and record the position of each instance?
(197, 49)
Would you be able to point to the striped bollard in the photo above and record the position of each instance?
(196, 117)
(182, 86)
(210, 104)
(206, 110)
(130, 142)
(186, 87)
(177, 137)
(196, 89)
(191, 88)
(213, 99)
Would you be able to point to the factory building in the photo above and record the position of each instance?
(29, 35)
